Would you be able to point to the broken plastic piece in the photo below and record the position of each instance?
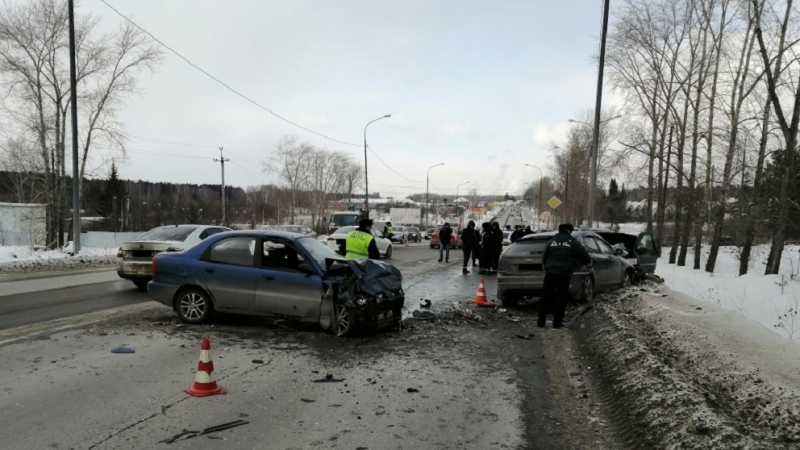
(122, 349)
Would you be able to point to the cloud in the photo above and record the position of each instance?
(544, 135)
(453, 130)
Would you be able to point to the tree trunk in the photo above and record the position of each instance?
(754, 206)
(662, 199)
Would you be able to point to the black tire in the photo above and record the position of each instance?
(627, 279)
(141, 283)
(193, 305)
(388, 254)
(587, 290)
(345, 320)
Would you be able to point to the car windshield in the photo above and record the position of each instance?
(168, 233)
(506, 234)
(342, 220)
(318, 250)
(344, 230)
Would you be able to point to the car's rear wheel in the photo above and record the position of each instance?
(587, 289)
(193, 306)
(141, 283)
(510, 300)
(346, 320)
(388, 254)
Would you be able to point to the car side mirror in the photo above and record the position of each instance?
(306, 268)
(619, 251)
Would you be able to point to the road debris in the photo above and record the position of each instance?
(524, 336)
(307, 400)
(412, 390)
(461, 311)
(188, 434)
(258, 361)
(423, 315)
(329, 379)
(425, 303)
(122, 349)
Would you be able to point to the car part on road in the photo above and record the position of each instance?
(193, 305)
(204, 382)
(423, 315)
(124, 349)
(188, 434)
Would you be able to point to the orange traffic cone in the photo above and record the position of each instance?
(204, 382)
(480, 297)
(406, 246)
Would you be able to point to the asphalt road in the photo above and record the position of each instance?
(35, 300)
(449, 383)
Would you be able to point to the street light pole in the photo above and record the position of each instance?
(366, 172)
(427, 193)
(538, 205)
(466, 182)
(598, 104)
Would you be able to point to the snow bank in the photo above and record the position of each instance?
(763, 298)
(25, 258)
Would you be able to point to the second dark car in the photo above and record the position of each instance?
(521, 273)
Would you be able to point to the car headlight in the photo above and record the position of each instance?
(361, 301)
(119, 253)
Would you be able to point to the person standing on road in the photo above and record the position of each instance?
(388, 231)
(469, 239)
(360, 243)
(517, 234)
(562, 255)
(495, 247)
(445, 235)
(485, 258)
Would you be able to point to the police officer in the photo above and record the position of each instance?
(388, 231)
(562, 255)
(360, 243)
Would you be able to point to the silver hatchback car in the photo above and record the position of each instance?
(521, 274)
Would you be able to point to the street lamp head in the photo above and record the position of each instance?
(387, 116)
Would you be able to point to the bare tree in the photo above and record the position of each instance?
(34, 70)
(289, 162)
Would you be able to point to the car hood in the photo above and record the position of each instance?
(374, 276)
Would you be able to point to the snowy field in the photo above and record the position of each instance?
(23, 258)
(771, 300)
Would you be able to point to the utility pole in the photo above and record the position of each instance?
(76, 182)
(222, 160)
(598, 105)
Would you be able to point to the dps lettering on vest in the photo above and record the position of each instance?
(357, 244)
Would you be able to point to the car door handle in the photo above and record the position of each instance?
(210, 270)
(268, 277)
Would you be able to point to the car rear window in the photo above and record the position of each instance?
(527, 247)
(168, 233)
(344, 230)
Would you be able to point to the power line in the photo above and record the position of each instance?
(225, 84)
(392, 169)
(175, 143)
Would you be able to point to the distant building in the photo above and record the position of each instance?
(23, 224)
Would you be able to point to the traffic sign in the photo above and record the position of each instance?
(554, 202)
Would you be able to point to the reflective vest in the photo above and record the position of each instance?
(389, 230)
(357, 244)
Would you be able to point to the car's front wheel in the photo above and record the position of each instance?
(193, 306)
(388, 254)
(346, 320)
(627, 279)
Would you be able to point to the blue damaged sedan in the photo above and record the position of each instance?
(276, 273)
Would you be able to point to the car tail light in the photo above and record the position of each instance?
(154, 267)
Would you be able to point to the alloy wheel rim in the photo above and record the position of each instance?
(342, 319)
(193, 306)
(588, 291)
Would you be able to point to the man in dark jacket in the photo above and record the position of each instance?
(469, 240)
(484, 259)
(562, 255)
(445, 235)
(495, 246)
(517, 234)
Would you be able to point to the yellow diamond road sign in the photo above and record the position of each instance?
(554, 202)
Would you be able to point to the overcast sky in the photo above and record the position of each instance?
(483, 86)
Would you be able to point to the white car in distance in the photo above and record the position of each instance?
(336, 241)
(135, 258)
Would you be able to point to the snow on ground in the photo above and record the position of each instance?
(24, 258)
(771, 300)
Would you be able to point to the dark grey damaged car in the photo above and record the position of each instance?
(290, 275)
